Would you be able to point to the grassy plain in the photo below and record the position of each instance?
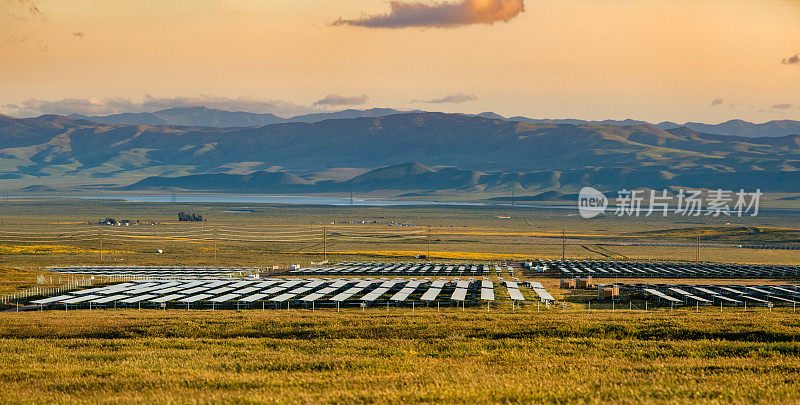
(554, 356)
(43, 232)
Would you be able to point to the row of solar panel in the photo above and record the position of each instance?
(278, 290)
(767, 295)
(584, 268)
(155, 271)
(424, 269)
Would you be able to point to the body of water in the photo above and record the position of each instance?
(280, 199)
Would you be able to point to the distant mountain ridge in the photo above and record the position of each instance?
(417, 177)
(453, 151)
(207, 117)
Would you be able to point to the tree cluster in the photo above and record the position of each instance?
(182, 216)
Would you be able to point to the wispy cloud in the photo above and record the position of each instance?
(781, 107)
(105, 106)
(333, 100)
(404, 14)
(716, 102)
(450, 98)
(792, 60)
(78, 34)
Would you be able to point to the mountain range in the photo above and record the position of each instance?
(450, 152)
(207, 117)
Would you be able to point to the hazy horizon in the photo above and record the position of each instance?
(664, 60)
(407, 110)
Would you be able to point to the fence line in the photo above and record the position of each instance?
(70, 284)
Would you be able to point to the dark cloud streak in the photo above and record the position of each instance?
(792, 60)
(404, 14)
(336, 100)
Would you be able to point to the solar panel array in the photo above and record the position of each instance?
(279, 292)
(400, 269)
(636, 269)
(727, 295)
(513, 290)
(539, 289)
(155, 271)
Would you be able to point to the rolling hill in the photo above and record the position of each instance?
(454, 151)
(207, 117)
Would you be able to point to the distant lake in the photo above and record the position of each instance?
(270, 199)
(283, 199)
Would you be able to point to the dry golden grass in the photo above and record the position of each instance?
(401, 357)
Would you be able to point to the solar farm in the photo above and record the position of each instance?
(295, 292)
(655, 269)
(156, 271)
(265, 308)
(422, 269)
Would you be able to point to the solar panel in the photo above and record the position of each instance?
(109, 298)
(52, 299)
(170, 297)
(316, 283)
(403, 294)
(440, 283)
(758, 290)
(247, 290)
(254, 297)
(689, 295)
(313, 296)
(374, 294)
(487, 294)
(223, 298)
(460, 294)
(89, 290)
(195, 298)
(346, 294)
(781, 289)
(431, 294)
(194, 290)
(731, 290)
(339, 283)
(515, 294)
(661, 295)
(137, 298)
(76, 300)
(219, 290)
(751, 298)
(283, 297)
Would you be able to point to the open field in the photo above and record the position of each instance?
(39, 233)
(399, 357)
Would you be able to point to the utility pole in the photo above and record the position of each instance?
(429, 243)
(324, 244)
(563, 242)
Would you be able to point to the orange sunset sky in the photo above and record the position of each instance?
(656, 60)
